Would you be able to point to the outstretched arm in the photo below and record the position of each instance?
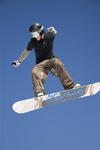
(24, 54)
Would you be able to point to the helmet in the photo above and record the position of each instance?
(36, 29)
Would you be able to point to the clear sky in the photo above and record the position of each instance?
(72, 125)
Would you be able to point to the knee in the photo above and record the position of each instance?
(34, 70)
(58, 62)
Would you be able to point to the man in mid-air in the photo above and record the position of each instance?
(46, 61)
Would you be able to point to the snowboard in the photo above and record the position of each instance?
(31, 104)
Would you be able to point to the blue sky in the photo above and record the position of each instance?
(73, 125)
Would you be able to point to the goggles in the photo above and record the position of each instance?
(36, 33)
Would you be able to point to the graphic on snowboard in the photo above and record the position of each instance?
(28, 105)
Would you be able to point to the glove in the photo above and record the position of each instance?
(51, 29)
(16, 63)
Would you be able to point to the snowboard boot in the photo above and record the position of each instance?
(40, 94)
(76, 85)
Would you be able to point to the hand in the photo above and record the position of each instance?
(16, 63)
(51, 29)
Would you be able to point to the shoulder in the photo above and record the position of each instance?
(33, 40)
(31, 44)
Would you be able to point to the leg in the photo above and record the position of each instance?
(58, 69)
(39, 76)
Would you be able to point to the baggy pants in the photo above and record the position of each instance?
(56, 67)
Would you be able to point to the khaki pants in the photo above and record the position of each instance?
(56, 67)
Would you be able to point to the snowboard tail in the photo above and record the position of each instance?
(28, 105)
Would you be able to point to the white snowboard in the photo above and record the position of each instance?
(31, 104)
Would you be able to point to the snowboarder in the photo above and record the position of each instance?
(46, 61)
